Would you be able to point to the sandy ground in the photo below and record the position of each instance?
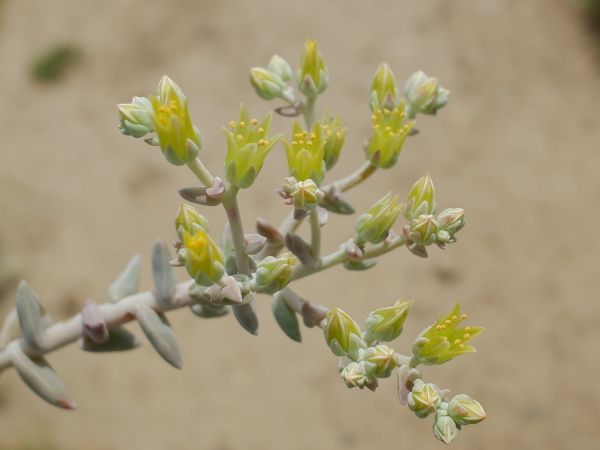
(517, 148)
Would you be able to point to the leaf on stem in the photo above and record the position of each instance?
(159, 333)
(269, 231)
(246, 316)
(163, 273)
(30, 314)
(128, 281)
(41, 378)
(208, 311)
(286, 318)
(199, 195)
(359, 265)
(119, 340)
(301, 249)
(313, 314)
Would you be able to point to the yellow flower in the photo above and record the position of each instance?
(203, 259)
(305, 154)
(445, 340)
(389, 133)
(334, 134)
(179, 140)
(313, 74)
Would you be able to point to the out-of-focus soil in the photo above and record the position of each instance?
(517, 147)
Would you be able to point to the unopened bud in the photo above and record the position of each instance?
(280, 66)
(386, 324)
(450, 221)
(343, 334)
(375, 224)
(465, 411)
(383, 89)
(381, 359)
(444, 428)
(355, 374)
(424, 94)
(313, 75)
(136, 117)
(423, 230)
(190, 220)
(274, 273)
(334, 134)
(423, 399)
(266, 83)
(306, 194)
(421, 199)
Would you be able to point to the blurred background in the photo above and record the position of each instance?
(517, 147)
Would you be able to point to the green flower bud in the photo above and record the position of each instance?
(248, 144)
(450, 221)
(381, 360)
(305, 154)
(342, 334)
(375, 224)
(306, 194)
(444, 428)
(190, 220)
(204, 261)
(423, 230)
(424, 94)
(421, 199)
(383, 89)
(423, 398)
(179, 140)
(334, 134)
(445, 340)
(313, 76)
(465, 411)
(280, 66)
(355, 375)
(266, 83)
(389, 134)
(136, 117)
(386, 324)
(274, 273)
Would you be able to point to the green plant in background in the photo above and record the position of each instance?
(228, 270)
(53, 63)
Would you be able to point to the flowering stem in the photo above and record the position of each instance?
(355, 178)
(237, 232)
(201, 172)
(114, 314)
(309, 111)
(315, 233)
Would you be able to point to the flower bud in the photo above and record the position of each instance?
(179, 140)
(383, 89)
(389, 134)
(445, 340)
(136, 117)
(423, 230)
(342, 334)
(334, 134)
(381, 360)
(306, 194)
(423, 399)
(266, 83)
(421, 199)
(248, 144)
(355, 374)
(204, 261)
(280, 66)
(444, 428)
(305, 154)
(424, 94)
(465, 411)
(386, 324)
(375, 224)
(313, 75)
(450, 221)
(189, 219)
(274, 273)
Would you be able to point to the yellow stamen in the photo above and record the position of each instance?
(253, 122)
(242, 124)
(231, 124)
(240, 137)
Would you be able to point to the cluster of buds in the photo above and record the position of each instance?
(426, 227)
(424, 95)
(165, 113)
(304, 195)
(202, 258)
(248, 144)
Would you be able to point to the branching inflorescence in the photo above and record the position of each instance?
(227, 276)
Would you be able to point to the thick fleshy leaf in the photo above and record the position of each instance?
(94, 325)
(246, 316)
(286, 318)
(199, 196)
(41, 378)
(162, 272)
(119, 340)
(312, 314)
(159, 333)
(337, 206)
(30, 315)
(128, 281)
(208, 311)
(300, 248)
(359, 265)
(269, 231)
